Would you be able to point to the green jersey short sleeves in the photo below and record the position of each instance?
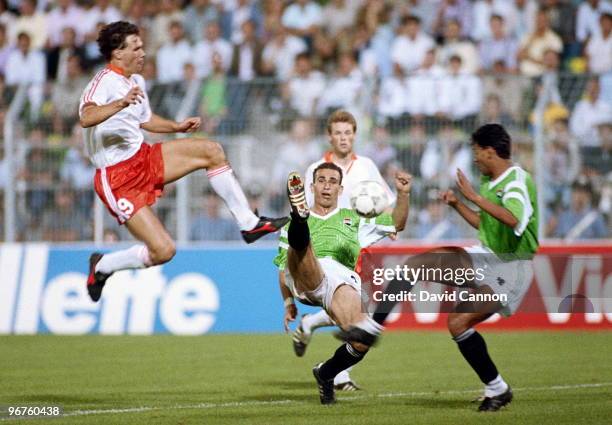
(339, 235)
(515, 191)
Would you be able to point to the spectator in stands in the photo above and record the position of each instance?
(523, 18)
(66, 14)
(168, 11)
(243, 11)
(198, 15)
(392, 100)
(213, 104)
(562, 19)
(212, 44)
(137, 14)
(434, 222)
(65, 96)
(64, 223)
(246, 63)
(92, 51)
(57, 57)
(411, 45)
(444, 155)
(210, 224)
(424, 88)
(460, 93)
(493, 112)
(297, 153)
(597, 160)
(103, 11)
(344, 89)
(589, 112)
(598, 50)
(303, 18)
(39, 174)
(30, 22)
(510, 88)
(581, 221)
(5, 49)
(455, 45)
(27, 65)
(172, 56)
(483, 11)
(426, 10)
(535, 44)
(498, 47)
(380, 149)
(458, 10)
(587, 20)
(77, 172)
(280, 52)
(7, 17)
(561, 163)
(339, 16)
(304, 88)
(410, 150)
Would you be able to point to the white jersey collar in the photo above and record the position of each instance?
(503, 175)
(325, 217)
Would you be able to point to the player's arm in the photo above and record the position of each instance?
(158, 124)
(403, 183)
(464, 211)
(290, 308)
(500, 213)
(93, 114)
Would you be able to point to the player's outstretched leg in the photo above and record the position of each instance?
(473, 348)
(308, 324)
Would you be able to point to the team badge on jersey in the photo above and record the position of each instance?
(348, 221)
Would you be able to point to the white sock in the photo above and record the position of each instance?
(136, 257)
(310, 322)
(369, 325)
(495, 387)
(227, 187)
(343, 377)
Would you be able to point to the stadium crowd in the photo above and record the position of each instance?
(419, 75)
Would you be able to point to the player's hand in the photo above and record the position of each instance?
(290, 315)
(465, 187)
(189, 125)
(449, 198)
(403, 182)
(135, 95)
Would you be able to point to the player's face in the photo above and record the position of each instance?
(132, 56)
(341, 137)
(326, 188)
(482, 158)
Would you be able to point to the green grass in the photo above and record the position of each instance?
(411, 378)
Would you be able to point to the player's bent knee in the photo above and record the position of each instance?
(163, 254)
(360, 347)
(214, 154)
(457, 323)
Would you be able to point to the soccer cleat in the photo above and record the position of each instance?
(95, 280)
(355, 334)
(300, 339)
(348, 386)
(326, 388)
(493, 404)
(264, 226)
(297, 196)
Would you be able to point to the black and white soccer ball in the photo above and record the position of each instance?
(369, 199)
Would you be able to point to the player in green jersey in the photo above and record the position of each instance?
(318, 251)
(507, 226)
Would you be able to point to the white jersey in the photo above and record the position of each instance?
(119, 137)
(360, 169)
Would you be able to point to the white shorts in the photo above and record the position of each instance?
(334, 276)
(511, 278)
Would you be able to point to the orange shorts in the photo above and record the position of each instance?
(132, 184)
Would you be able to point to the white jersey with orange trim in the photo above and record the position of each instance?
(361, 168)
(119, 137)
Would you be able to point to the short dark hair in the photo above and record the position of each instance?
(410, 19)
(493, 136)
(327, 166)
(113, 35)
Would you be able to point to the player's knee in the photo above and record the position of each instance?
(360, 347)
(163, 253)
(215, 155)
(457, 323)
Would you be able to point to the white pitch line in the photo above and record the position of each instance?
(284, 402)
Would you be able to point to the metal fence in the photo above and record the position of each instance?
(47, 181)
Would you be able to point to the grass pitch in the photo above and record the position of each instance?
(411, 378)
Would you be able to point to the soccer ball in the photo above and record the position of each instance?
(369, 199)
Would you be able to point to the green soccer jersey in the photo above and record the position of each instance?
(515, 191)
(339, 235)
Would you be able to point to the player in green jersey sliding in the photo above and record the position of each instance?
(507, 226)
(318, 251)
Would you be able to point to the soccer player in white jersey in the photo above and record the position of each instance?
(318, 250)
(131, 174)
(341, 132)
(507, 226)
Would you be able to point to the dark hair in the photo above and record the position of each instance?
(303, 55)
(113, 35)
(493, 136)
(410, 19)
(327, 166)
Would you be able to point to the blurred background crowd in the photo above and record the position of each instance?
(263, 75)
